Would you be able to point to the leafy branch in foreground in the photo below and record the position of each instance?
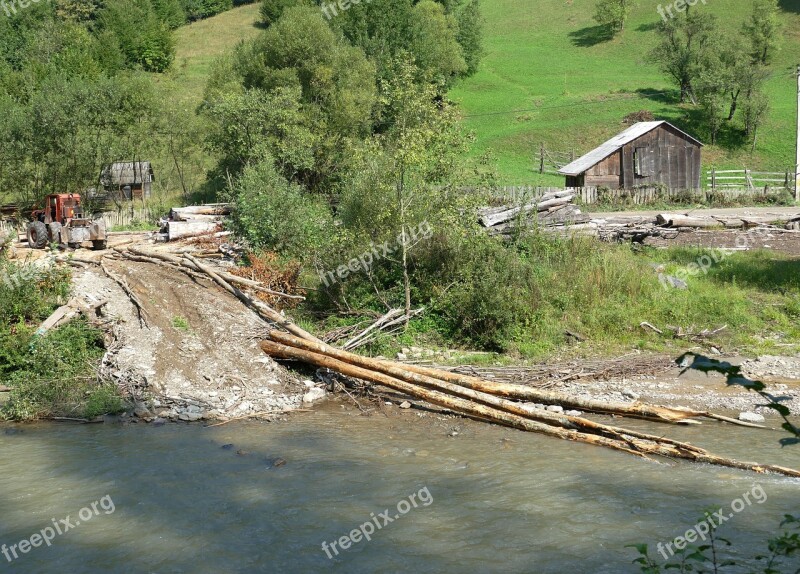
(787, 543)
(735, 377)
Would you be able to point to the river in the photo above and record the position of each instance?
(462, 496)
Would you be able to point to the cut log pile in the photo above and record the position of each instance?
(195, 220)
(556, 212)
(505, 404)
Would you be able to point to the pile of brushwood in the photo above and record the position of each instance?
(504, 403)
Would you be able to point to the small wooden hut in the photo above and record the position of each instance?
(645, 154)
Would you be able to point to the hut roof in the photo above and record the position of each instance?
(620, 140)
(127, 173)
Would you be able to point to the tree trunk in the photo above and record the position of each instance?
(507, 390)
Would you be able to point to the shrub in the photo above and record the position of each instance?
(53, 374)
(275, 215)
(271, 10)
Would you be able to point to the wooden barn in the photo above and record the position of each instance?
(647, 153)
(128, 179)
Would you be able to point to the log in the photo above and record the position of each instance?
(183, 229)
(490, 220)
(177, 262)
(631, 445)
(262, 309)
(398, 372)
(123, 283)
(67, 313)
(216, 209)
(189, 218)
(513, 391)
(680, 220)
(57, 315)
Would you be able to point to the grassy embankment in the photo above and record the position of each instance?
(521, 301)
(51, 375)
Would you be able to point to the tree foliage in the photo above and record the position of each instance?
(613, 14)
(470, 35)
(762, 29)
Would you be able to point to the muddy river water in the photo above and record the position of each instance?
(461, 496)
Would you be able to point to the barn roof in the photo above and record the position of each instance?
(127, 173)
(620, 140)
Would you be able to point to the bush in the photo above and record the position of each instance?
(136, 29)
(49, 375)
(271, 10)
(275, 215)
(199, 9)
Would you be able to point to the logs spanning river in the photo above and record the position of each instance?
(461, 496)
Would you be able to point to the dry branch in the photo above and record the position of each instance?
(123, 283)
(262, 309)
(182, 264)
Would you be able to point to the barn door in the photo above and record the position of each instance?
(644, 162)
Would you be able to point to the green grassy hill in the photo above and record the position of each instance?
(200, 43)
(544, 59)
(548, 78)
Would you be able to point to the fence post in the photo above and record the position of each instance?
(713, 179)
(541, 158)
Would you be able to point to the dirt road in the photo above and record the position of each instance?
(194, 354)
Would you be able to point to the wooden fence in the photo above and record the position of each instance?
(129, 216)
(748, 179)
(550, 161)
(640, 196)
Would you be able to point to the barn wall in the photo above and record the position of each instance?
(606, 173)
(669, 158)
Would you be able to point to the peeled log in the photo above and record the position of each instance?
(182, 213)
(399, 372)
(628, 444)
(510, 390)
(679, 220)
(493, 219)
(181, 229)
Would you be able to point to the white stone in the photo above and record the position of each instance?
(313, 395)
(749, 417)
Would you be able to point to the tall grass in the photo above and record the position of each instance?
(523, 298)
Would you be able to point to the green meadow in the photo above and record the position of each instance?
(549, 76)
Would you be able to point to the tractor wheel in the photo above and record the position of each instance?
(55, 232)
(37, 235)
(99, 245)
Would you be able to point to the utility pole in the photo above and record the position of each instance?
(797, 148)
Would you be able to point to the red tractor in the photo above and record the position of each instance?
(63, 221)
